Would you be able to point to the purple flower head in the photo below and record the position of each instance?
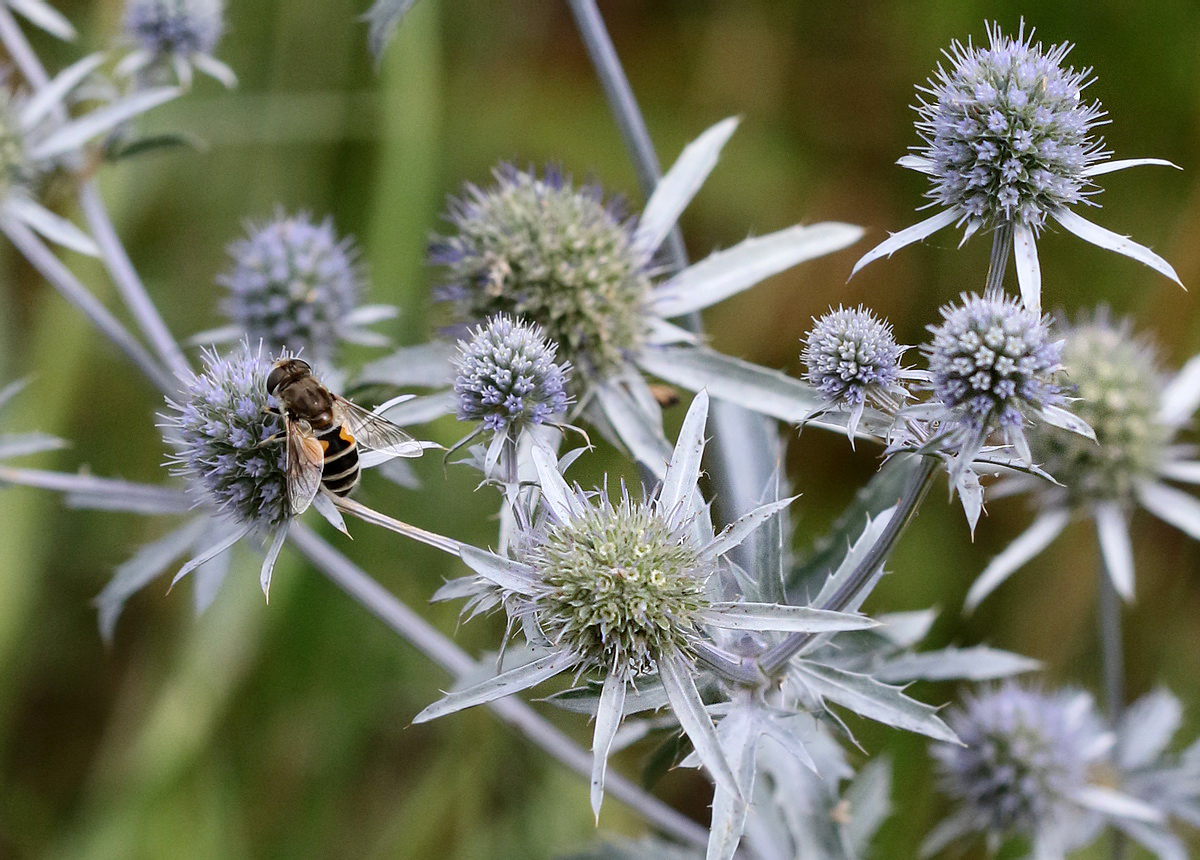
(851, 355)
(1007, 133)
(179, 27)
(1025, 755)
(992, 361)
(506, 376)
(216, 429)
(294, 285)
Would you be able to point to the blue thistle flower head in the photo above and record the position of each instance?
(1025, 755)
(294, 285)
(175, 27)
(992, 361)
(852, 356)
(506, 376)
(542, 250)
(216, 428)
(1008, 137)
(16, 171)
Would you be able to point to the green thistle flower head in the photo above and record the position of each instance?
(622, 587)
(544, 251)
(1119, 391)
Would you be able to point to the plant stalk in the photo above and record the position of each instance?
(774, 660)
(739, 480)
(1112, 668)
(1002, 243)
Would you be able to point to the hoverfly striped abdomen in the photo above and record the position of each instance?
(340, 471)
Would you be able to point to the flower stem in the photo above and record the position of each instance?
(739, 476)
(1002, 243)
(1111, 653)
(775, 659)
(1112, 667)
(516, 713)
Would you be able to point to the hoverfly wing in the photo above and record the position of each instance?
(376, 432)
(305, 461)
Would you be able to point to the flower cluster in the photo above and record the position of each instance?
(621, 586)
(543, 250)
(178, 34)
(294, 284)
(852, 358)
(217, 430)
(1008, 143)
(165, 27)
(1118, 389)
(506, 376)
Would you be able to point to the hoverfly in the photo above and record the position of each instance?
(323, 433)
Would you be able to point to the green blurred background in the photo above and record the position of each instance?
(282, 731)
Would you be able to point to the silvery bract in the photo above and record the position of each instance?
(36, 136)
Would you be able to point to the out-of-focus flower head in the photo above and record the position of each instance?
(295, 285)
(176, 34)
(1135, 412)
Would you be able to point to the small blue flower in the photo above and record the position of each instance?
(992, 366)
(506, 376)
(1023, 763)
(295, 285)
(853, 359)
(217, 427)
(181, 33)
(1008, 142)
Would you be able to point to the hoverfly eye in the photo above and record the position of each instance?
(275, 379)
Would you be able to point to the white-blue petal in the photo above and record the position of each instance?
(915, 233)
